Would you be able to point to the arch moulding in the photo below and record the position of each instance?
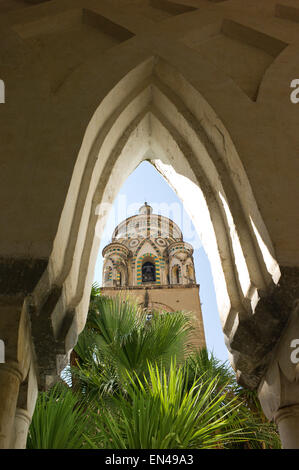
(154, 113)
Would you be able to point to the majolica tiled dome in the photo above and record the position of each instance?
(147, 249)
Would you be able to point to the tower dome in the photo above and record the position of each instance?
(148, 249)
(146, 209)
(149, 260)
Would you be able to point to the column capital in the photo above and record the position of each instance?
(286, 412)
(11, 368)
(279, 388)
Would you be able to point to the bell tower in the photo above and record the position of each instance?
(148, 258)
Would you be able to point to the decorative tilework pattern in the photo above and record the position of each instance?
(108, 274)
(139, 267)
(151, 243)
(125, 252)
(116, 251)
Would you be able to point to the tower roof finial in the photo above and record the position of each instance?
(145, 209)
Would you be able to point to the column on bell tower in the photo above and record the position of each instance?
(181, 264)
(116, 265)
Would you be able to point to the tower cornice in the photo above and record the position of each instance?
(178, 246)
(134, 225)
(116, 248)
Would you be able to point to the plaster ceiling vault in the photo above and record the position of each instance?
(150, 120)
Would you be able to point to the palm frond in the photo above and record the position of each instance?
(59, 421)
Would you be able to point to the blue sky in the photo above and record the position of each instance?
(146, 184)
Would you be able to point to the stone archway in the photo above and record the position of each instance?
(154, 260)
(163, 118)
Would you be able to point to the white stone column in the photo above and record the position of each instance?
(21, 426)
(279, 389)
(287, 420)
(10, 379)
(28, 393)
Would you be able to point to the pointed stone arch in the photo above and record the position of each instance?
(154, 113)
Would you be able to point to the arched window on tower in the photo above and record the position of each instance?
(148, 272)
(176, 274)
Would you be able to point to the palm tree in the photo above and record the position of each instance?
(136, 388)
(161, 411)
(118, 338)
(59, 421)
(263, 433)
(121, 341)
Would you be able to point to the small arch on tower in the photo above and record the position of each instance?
(148, 272)
(140, 269)
(176, 274)
(190, 274)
